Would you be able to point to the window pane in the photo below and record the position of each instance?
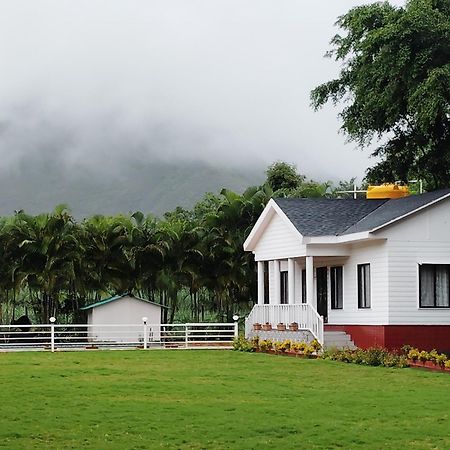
(336, 287)
(303, 286)
(442, 285)
(363, 285)
(367, 285)
(284, 287)
(427, 285)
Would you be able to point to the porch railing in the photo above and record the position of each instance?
(303, 314)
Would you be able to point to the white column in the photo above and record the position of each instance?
(260, 282)
(291, 281)
(310, 282)
(276, 282)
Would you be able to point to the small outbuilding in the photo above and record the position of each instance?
(119, 319)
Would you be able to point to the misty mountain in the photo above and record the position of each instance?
(39, 185)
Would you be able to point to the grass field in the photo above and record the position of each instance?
(215, 399)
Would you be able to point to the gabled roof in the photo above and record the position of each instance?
(396, 209)
(325, 217)
(337, 217)
(118, 297)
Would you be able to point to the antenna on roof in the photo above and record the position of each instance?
(355, 191)
(420, 185)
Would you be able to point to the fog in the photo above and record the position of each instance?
(91, 82)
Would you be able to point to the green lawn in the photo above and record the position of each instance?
(215, 399)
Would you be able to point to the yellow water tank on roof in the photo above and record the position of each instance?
(387, 191)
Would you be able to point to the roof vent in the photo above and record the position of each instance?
(387, 191)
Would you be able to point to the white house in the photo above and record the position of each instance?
(378, 270)
(119, 319)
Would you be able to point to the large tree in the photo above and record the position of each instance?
(395, 85)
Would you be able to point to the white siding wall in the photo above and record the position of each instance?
(278, 241)
(375, 254)
(126, 310)
(423, 238)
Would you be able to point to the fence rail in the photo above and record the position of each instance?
(77, 336)
(303, 314)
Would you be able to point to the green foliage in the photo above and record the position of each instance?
(413, 354)
(375, 356)
(192, 261)
(264, 345)
(395, 86)
(282, 176)
(241, 344)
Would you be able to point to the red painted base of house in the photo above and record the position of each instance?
(424, 337)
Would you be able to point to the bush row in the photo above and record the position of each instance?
(374, 356)
(287, 346)
(440, 359)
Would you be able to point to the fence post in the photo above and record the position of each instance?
(236, 326)
(144, 320)
(186, 335)
(52, 333)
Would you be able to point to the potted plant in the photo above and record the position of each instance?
(293, 326)
(267, 327)
(281, 327)
(257, 326)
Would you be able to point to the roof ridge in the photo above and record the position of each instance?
(367, 215)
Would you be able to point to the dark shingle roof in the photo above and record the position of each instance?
(394, 209)
(328, 217)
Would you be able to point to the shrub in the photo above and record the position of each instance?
(282, 347)
(433, 356)
(241, 344)
(413, 354)
(315, 344)
(255, 343)
(299, 346)
(441, 360)
(265, 344)
(424, 356)
(309, 350)
(447, 364)
(374, 356)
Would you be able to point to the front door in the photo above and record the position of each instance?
(322, 292)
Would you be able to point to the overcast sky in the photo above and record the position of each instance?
(228, 81)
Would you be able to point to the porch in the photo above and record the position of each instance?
(298, 291)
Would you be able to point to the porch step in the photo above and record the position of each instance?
(338, 339)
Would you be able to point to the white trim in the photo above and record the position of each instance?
(268, 212)
(364, 308)
(428, 308)
(437, 200)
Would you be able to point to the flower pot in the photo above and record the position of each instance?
(281, 327)
(257, 327)
(267, 327)
(293, 326)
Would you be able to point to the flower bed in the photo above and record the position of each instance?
(287, 347)
(427, 360)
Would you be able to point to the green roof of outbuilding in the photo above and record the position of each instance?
(118, 297)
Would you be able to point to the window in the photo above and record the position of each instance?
(266, 282)
(303, 286)
(434, 285)
(363, 285)
(336, 287)
(283, 287)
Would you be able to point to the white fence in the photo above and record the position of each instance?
(303, 314)
(81, 336)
